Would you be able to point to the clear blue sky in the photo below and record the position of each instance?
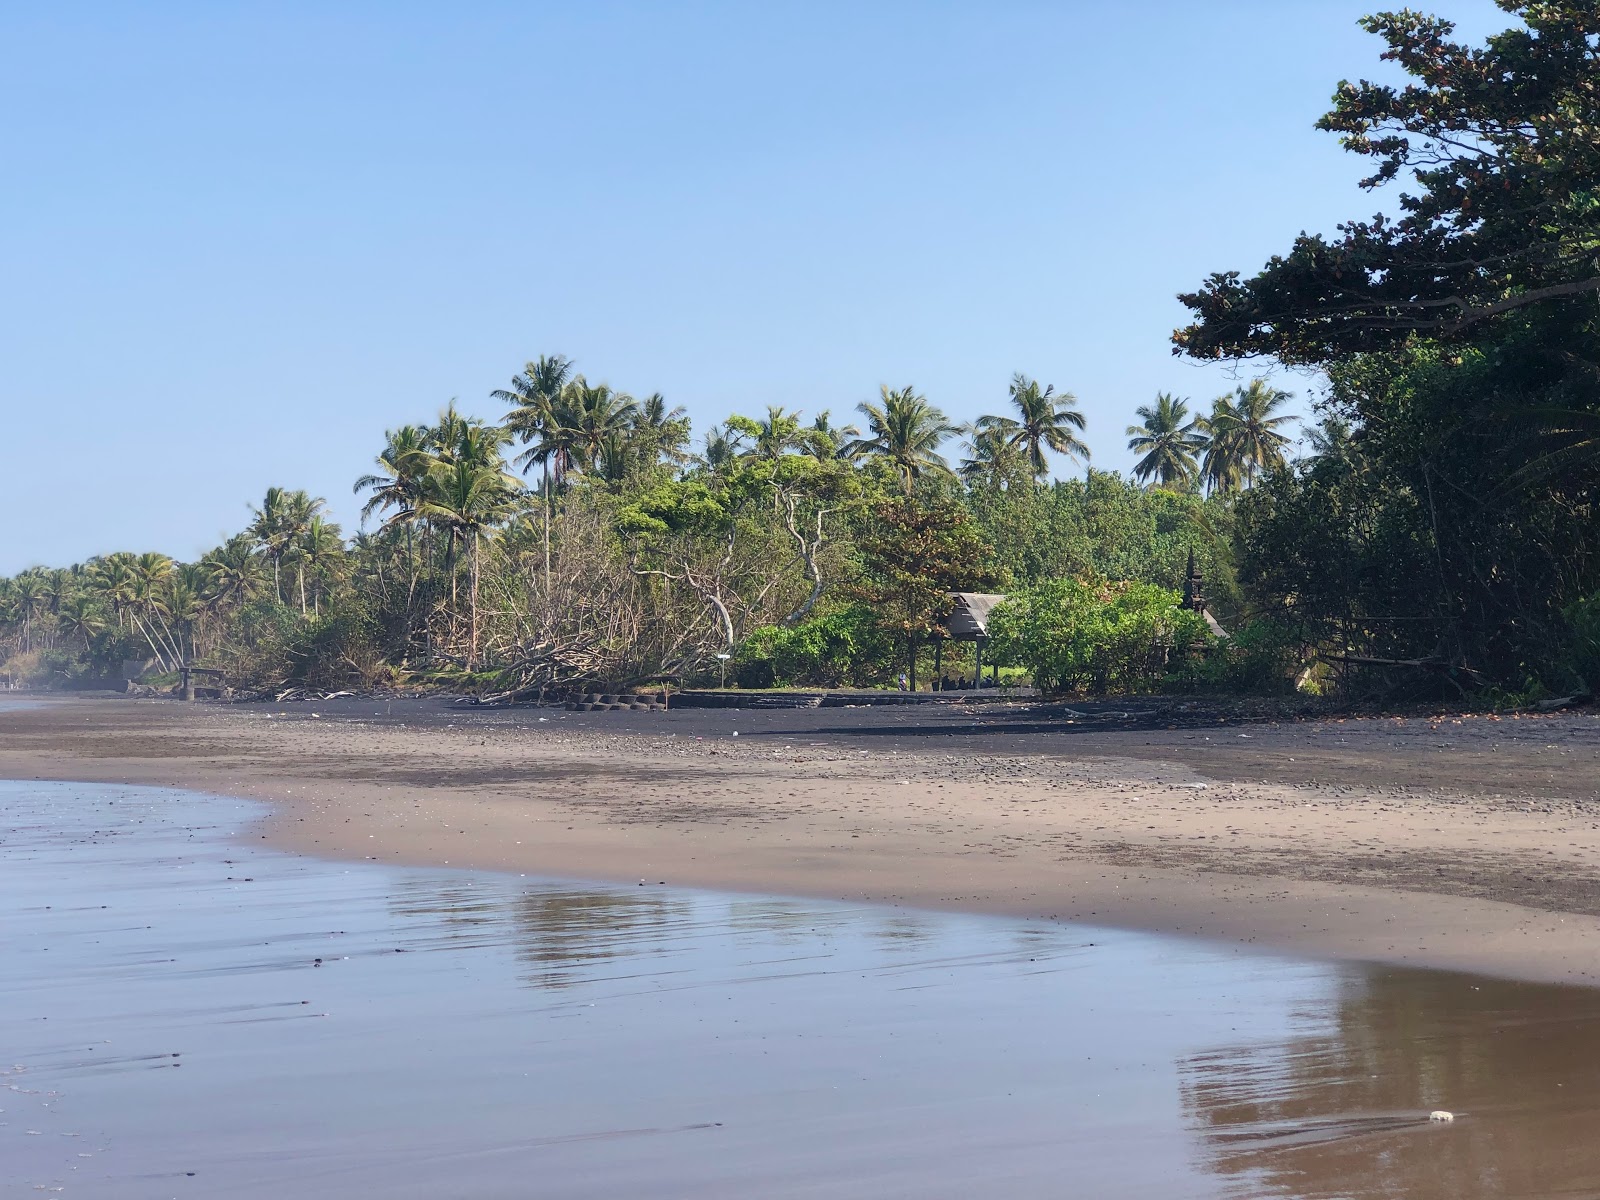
(239, 241)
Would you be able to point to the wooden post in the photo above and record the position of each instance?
(977, 662)
(938, 663)
(188, 683)
(911, 675)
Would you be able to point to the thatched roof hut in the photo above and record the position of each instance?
(969, 620)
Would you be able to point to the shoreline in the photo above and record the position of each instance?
(1498, 884)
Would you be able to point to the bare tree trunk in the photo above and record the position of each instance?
(472, 600)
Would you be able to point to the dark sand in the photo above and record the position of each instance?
(188, 1013)
(1468, 843)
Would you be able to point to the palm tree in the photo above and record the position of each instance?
(322, 549)
(1170, 445)
(826, 440)
(233, 571)
(1044, 421)
(270, 528)
(724, 445)
(994, 459)
(591, 414)
(80, 617)
(661, 434)
(1244, 436)
(300, 510)
(398, 480)
(402, 467)
(907, 431)
(29, 597)
(465, 498)
(776, 434)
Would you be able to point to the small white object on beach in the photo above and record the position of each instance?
(1440, 1114)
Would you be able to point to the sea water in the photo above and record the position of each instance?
(186, 1013)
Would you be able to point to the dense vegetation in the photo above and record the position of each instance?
(1448, 515)
(1440, 533)
(581, 540)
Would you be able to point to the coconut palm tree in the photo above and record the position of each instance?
(906, 431)
(724, 446)
(1044, 421)
(30, 600)
(1170, 445)
(397, 485)
(535, 421)
(659, 433)
(1244, 436)
(776, 434)
(592, 414)
(321, 548)
(270, 528)
(826, 440)
(466, 498)
(994, 459)
(233, 570)
(81, 619)
(300, 510)
(534, 396)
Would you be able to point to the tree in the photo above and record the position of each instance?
(1073, 633)
(824, 439)
(1244, 437)
(398, 484)
(465, 498)
(906, 431)
(994, 459)
(271, 529)
(1044, 421)
(1168, 443)
(535, 420)
(1499, 142)
(322, 549)
(299, 511)
(233, 570)
(590, 417)
(913, 555)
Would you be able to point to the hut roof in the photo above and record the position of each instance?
(970, 617)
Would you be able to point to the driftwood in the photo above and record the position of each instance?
(1561, 702)
(1437, 665)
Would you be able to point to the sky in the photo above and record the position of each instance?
(239, 242)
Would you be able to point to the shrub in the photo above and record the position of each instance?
(846, 645)
(1074, 634)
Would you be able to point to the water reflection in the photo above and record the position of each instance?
(1338, 1108)
(175, 999)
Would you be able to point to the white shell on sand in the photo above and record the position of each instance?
(1440, 1114)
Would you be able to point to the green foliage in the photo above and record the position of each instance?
(1260, 658)
(1583, 629)
(1078, 635)
(1111, 528)
(1504, 215)
(845, 646)
(914, 552)
(341, 650)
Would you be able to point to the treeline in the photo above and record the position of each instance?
(1444, 532)
(586, 538)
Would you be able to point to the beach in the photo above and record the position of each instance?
(1468, 843)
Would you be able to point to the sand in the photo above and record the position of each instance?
(1494, 872)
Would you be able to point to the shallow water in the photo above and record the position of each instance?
(184, 1015)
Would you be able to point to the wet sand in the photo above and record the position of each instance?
(189, 1013)
(1321, 838)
